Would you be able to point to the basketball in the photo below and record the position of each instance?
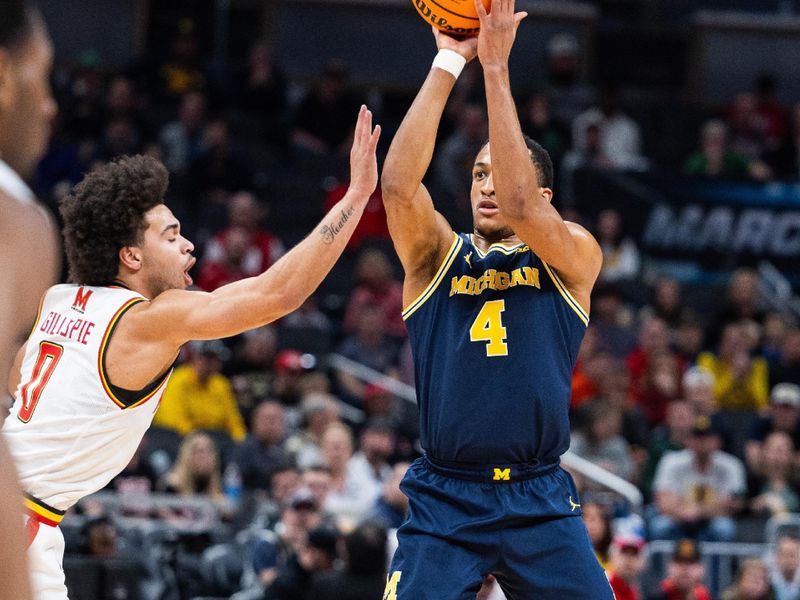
(457, 17)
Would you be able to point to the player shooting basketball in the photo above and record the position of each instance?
(495, 320)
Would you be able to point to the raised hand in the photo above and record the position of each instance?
(363, 160)
(467, 47)
(498, 30)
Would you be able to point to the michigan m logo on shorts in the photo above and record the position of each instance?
(390, 593)
(502, 474)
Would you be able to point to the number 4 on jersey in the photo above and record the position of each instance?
(49, 355)
(488, 327)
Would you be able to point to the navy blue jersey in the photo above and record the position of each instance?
(495, 337)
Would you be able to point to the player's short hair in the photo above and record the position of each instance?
(17, 19)
(541, 161)
(105, 212)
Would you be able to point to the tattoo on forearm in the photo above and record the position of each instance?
(329, 232)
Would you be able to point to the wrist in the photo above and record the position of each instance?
(495, 67)
(450, 61)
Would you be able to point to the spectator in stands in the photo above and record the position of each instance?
(775, 489)
(785, 568)
(783, 416)
(350, 496)
(671, 436)
(247, 214)
(660, 386)
(538, 123)
(598, 524)
(743, 302)
(690, 337)
(698, 390)
(773, 335)
(612, 321)
(181, 139)
(314, 558)
(747, 137)
(261, 452)
(100, 538)
(391, 508)
(321, 124)
(317, 480)
(217, 169)
(364, 574)
(274, 556)
(772, 116)
(788, 367)
(262, 90)
(376, 287)
(376, 446)
(566, 86)
(685, 573)
(371, 346)
(250, 370)
(284, 481)
(740, 380)
(289, 368)
(601, 443)
(698, 490)
(199, 396)
(318, 412)
(717, 159)
(785, 159)
(120, 137)
(197, 470)
(752, 583)
(458, 153)
(667, 303)
(620, 254)
(626, 565)
(181, 72)
(620, 137)
(229, 267)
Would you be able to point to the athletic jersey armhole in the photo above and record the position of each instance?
(39, 311)
(437, 278)
(123, 398)
(583, 315)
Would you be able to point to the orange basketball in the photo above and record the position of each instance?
(457, 17)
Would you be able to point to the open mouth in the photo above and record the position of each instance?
(186, 275)
(488, 208)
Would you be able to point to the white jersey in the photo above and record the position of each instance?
(70, 430)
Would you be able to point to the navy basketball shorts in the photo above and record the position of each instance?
(521, 523)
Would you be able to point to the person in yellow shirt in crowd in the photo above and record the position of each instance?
(198, 396)
(741, 381)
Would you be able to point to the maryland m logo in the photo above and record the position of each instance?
(502, 474)
(81, 298)
(390, 593)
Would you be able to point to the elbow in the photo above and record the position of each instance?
(395, 190)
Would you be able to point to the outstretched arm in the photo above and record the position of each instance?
(567, 247)
(177, 316)
(421, 236)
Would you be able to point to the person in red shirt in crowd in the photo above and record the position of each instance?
(627, 562)
(685, 574)
(230, 266)
(647, 365)
(376, 287)
(245, 213)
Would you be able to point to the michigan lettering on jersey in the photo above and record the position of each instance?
(390, 592)
(494, 280)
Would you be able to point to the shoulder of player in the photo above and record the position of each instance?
(155, 320)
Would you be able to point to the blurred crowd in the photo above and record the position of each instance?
(693, 398)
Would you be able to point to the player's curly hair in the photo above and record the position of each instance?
(105, 212)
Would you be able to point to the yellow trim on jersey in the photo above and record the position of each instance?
(46, 513)
(562, 289)
(507, 250)
(437, 279)
(101, 355)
